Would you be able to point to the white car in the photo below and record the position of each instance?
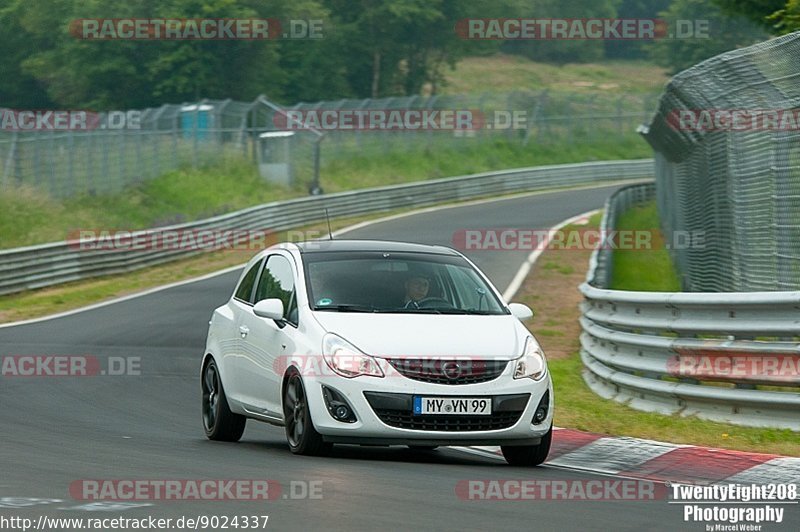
(376, 343)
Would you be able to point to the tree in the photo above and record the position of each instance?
(18, 88)
(758, 11)
(565, 51)
(787, 20)
(634, 9)
(725, 33)
(103, 74)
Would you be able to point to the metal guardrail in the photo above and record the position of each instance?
(50, 264)
(678, 352)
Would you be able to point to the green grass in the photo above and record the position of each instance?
(579, 408)
(644, 269)
(29, 217)
(502, 72)
(566, 270)
(498, 154)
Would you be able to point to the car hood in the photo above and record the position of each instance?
(426, 335)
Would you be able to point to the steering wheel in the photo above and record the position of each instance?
(434, 302)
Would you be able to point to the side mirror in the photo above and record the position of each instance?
(269, 308)
(520, 311)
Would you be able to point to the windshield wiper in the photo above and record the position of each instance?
(469, 312)
(456, 311)
(347, 308)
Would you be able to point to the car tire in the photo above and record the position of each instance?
(528, 455)
(219, 422)
(423, 447)
(301, 435)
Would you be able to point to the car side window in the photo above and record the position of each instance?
(244, 292)
(277, 281)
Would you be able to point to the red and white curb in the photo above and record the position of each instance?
(652, 460)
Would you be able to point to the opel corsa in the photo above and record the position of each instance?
(375, 343)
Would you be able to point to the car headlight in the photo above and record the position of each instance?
(532, 362)
(347, 360)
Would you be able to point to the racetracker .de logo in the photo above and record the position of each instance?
(594, 490)
(727, 365)
(68, 366)
(67, 120)
(577, 29)
(451, 367)
(171, 240)
(381, 119)
(574, 239)
(734, 119)
(195, 29)
(175, 490)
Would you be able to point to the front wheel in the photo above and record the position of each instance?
(218, 421)
(528, 455)
(303, 438)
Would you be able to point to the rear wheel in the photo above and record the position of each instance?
(218, 421)
(528, 455)
(303, 438)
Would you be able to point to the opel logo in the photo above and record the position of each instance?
(451, 369)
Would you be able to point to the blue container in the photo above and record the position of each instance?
(196, 120)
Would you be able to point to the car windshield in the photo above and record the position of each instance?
(397, 283)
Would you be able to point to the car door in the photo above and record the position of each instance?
(266, 342)
(227, 324)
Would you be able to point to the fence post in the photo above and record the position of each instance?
(70, 161)
(11, 159)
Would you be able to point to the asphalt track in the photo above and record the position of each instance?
(56, 431)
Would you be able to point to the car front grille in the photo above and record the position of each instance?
(407, 420)
(395, 410)
(449, 371)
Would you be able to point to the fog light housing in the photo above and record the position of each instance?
(541, 411)
(337, 406)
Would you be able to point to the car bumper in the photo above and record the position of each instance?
(381, 405)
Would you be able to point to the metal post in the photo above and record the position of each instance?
(70, 160)
(10, 160)
(316, 189)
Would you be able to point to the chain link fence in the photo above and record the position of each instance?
(104, 161)
(727, 142)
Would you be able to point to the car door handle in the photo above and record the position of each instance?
(244, 331)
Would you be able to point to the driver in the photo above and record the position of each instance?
(417, 286)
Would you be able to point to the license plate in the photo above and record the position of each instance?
(481, 406)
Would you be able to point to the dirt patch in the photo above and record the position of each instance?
(551, 290)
